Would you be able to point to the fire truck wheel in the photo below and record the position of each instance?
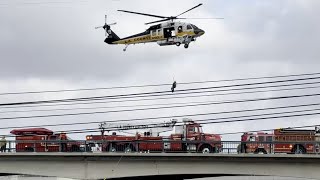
(206, 149)
(260, 151)
(299, 150)
(29, 149)
(128, 150)
(112, 149)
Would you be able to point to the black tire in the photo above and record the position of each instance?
(260, 151)
(117, 148)
(186, 46)
(206, 149)
(129, 149)
(112, 149)
(299, 150)
(178, 44)
(29, 149)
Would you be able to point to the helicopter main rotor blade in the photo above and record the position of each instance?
(98, 27)
(167, 19)
(190, 9)
(144, 14)
(112, 24)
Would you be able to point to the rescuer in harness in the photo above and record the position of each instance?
(3, 144)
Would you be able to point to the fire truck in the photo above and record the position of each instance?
(187, 137)
(43, 140)
(287, 140)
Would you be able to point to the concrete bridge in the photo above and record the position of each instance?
(124, 165)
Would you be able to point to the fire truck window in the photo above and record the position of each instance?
(261, 138)
(191, 129)
(53, 138)
(200, 130)
(178, 129)
(252, 138)
(269, 138)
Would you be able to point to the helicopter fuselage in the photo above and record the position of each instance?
(168, 33)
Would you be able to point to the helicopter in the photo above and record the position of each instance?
(166, 32)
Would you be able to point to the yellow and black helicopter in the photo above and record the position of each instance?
(166, 33)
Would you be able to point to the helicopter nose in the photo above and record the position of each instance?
(199, 32)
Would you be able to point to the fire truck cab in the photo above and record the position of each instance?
(256, 143)
(43, 140)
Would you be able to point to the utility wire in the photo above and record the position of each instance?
(207, 121)
(164, 107)
(158, 85)
(169, 117)
(102, 101)
(159, 104)
(147, 93)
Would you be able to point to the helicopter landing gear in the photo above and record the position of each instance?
(126, 47)
(186, 46)
(178, 44)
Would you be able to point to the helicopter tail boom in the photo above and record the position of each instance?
(112, 37)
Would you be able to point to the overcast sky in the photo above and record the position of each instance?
(52, 45)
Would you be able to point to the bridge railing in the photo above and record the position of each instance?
(161, 146)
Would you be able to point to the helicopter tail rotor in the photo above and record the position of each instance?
(106, 26)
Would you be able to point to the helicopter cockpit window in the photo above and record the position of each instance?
(194, 27)
(189, 27)
(179, 29)
(153, 32)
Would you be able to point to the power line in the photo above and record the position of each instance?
(159, 104)
(148, 93)
(156, 108)
(158, 85)
(170, 117)
(179, 97)
(207, 121)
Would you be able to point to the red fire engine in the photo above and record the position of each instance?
(298, 141)
(188, 137)
(43, 140)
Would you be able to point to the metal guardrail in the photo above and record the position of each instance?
(167, 146)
